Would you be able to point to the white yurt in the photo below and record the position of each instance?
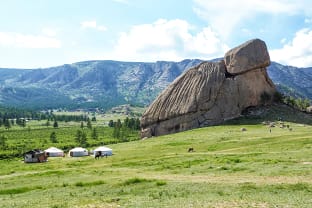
(54, 152)
(78, 152)
(103, 151)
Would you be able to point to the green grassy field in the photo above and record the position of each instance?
(229, 168)
(36, 135)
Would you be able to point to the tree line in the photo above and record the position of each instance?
(299, 103)
(16, 113)
(121, 131)
(8, 123)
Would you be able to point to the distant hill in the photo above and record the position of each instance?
(291, 80)
(105, 84)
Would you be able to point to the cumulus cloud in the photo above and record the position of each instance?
(297, 52)
(18, 40)
(93, 25)
(49, 31)
(168, 40)
(224, 16)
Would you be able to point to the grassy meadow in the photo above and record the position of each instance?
(37, 134)
(228, 168)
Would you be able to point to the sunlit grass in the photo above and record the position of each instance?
(229, 168)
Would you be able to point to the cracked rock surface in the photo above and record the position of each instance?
(212, 92)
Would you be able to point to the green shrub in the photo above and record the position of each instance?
(161, 183)
(136, 181)
(92, 183)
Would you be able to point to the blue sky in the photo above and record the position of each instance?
(43, 33)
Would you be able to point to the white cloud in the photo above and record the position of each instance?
(88, 24)
(168, 40)
(18, 40)
(93, 25)
(246, 31)
(283, 41)
(121, 1)
(308, 20)
(49, 31)
(298, 52)
(101, 28)
(225, 16)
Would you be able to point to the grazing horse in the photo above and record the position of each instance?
(97, 155)
(191, 149)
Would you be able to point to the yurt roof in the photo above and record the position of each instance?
(103, 149)
(34, 151)
(78, 149)
(53, 149)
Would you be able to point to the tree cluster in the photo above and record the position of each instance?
(122, 130)
(14, 113)
(81, 138)
(68, 118)
(8, 123)
(298, 103)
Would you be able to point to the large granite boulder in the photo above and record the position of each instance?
(210, 93)
(251, 55)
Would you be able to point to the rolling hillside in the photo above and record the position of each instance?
(109, 83)
(229, 168)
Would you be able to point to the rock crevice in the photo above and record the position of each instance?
(211, 92)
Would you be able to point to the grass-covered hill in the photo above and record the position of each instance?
(228, 168)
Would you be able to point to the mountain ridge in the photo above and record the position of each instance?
(106, 83)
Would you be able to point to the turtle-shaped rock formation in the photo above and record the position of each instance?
(212, 92)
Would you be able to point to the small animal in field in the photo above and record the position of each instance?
(97, 155)
(191, 149)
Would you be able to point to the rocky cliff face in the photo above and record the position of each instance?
(212, 92)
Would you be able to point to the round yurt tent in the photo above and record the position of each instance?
(78, 152)
(103, 151)
(54, 152)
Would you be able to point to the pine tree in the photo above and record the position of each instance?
(137, 124)
(55, 124)
(117, 127)
(23, 123)
(78, 136)
(83, 141)
(124, 133)
(94, 134)
(53, 138)
(111, 123)
(116, 132)
(81, 138)
(7, 124)
(89, 124)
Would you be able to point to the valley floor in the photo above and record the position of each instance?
(228, 168)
